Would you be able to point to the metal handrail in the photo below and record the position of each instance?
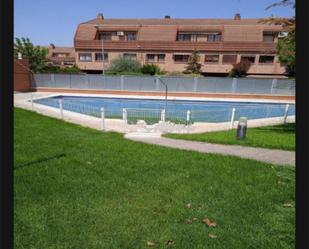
(166, 90)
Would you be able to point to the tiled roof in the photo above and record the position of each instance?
(65, 50)
(173, 21)
(155, 33)
(166, 29)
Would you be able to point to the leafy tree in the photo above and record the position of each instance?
(286, 45)
(282, 3)
(286, 51)
(193, 64)
(122, 64)
(151, 69)
(36, 55)
(240, 69)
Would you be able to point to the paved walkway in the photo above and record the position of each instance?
(277, 157)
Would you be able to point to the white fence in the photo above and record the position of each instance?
(175, 84)
(177, 116)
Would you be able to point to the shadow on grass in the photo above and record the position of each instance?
(285, 128)
(42, 160)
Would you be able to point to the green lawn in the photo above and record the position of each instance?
(273, 137)
(78, 188)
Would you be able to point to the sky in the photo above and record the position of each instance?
(55, 21)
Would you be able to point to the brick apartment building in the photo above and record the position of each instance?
(61, 56)
(169, 42)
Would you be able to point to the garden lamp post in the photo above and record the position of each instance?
(102, 47)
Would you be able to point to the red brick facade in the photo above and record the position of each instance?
(21, 75)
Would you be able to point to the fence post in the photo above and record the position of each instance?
(70, 80)
(103, 118)
(163, 115)
(234, 85)
(157, 84)
(87, 81)
(52, 78)
(286, 111)
(195, 84)
(124, 115)
(273, 85)
(188, 116)
(31, 100)
(61, 108)
(121, 82)
(232, 118)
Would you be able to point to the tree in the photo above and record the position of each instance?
(240, 69)
(193, 64)
(286, 51)
(36, 55)
(123, 64)
(282, 3)
(286, 45)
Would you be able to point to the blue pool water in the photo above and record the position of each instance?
(200, 111)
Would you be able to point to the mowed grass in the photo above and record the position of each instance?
(273, 137)
(80, 188)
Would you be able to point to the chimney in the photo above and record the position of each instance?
(100, 16)
(167, 17)
(237, 17)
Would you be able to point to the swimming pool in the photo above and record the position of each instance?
(177, 110)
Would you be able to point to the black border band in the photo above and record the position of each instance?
(302, 124)
(6, 123)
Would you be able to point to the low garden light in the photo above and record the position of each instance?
(241, 128)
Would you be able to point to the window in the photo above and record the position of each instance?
(212, 58)
(85, 57)
(214, 37)
(131, 36)
(181, 58)
(184, 37)
(129, 56)
(196, 36)
(229, 59)
(150, 58)
(269, 37)
(268, 59)
(99, 57)
(106, 36)
(161, 58)
(248, 58)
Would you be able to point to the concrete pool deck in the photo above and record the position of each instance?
(184, 95)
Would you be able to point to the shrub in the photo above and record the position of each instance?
(122, 64)
(110, 72)
(57, 69)
(182, 74)
(151, 69)
(240, 69)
